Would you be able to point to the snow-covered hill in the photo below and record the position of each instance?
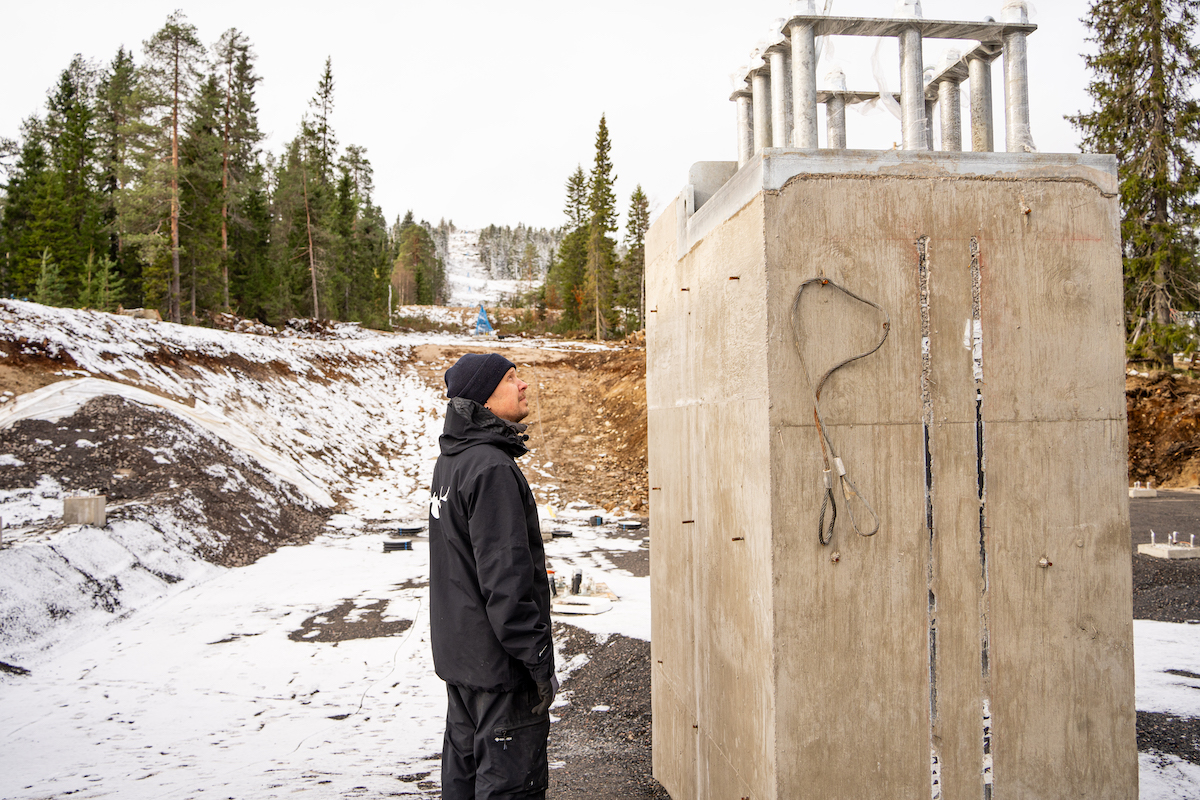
(469, 282)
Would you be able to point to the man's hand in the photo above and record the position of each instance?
(546, 691)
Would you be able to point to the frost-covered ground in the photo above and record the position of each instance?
(272, 680)
(469, 282)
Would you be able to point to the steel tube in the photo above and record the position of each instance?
(804, 85)
(912, 91)
(949, 101)
(835, 122)
(781, 97)
(1017, 137)
(980, 73)
(745, 127)
(761, 86)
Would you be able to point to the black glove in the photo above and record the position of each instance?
(546, 691)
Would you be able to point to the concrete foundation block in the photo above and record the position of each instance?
(1142, 492)
(84, 510)
(982, 641)
(1171, 551)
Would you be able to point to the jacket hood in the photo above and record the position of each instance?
(469, 424)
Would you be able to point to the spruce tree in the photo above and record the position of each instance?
(20, 245)
(202, 201)
(567, 278)
(632, 283)
(49, 290)
(73, 208)
(239, 139)
(1144, 113)
(318, 131)
(601, 249)
(116, 115)
(108, 287)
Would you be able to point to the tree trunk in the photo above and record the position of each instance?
(174, 292)
(1160, 303)
(225, 189)
(312, 261)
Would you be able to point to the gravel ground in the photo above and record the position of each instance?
(1167, 591)
(606, 754)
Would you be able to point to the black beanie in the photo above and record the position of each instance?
(475, 376)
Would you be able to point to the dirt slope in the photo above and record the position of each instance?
(587, 418)
(1164, 429)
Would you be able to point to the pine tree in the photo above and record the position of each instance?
(172, 57)
(418, 276)
(1143, 75)
(601, 249)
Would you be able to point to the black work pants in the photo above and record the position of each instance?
(495, 748)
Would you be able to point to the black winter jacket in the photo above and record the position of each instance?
(489, 598)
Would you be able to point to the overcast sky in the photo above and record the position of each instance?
(478, 112)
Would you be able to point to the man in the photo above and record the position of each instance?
(488, 592)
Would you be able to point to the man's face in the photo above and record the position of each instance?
(508, 400)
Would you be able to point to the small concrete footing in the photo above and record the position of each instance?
(88, 510)
(1171, 551)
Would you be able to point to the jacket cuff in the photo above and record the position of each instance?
(542, 671)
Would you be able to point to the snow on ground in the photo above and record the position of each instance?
(206, 695)
(1161, 647)
(227, 684)
(469, 282)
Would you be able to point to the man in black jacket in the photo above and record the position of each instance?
(488, 592)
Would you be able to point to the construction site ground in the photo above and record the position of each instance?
(588, 426)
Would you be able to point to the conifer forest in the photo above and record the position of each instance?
(144, 183)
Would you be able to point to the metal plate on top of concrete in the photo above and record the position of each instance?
(1168, 551)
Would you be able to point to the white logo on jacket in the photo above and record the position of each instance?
(435, 502)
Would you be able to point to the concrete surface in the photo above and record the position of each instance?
(781, 671)
(1168, 551)
(84, 511)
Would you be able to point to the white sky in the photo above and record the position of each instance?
(478, 112)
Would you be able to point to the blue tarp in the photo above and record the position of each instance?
(482, 325)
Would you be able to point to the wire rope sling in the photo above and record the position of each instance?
(828, 451)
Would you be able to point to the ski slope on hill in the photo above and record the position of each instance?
(469, 281)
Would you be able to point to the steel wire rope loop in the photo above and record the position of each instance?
(825, 533)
